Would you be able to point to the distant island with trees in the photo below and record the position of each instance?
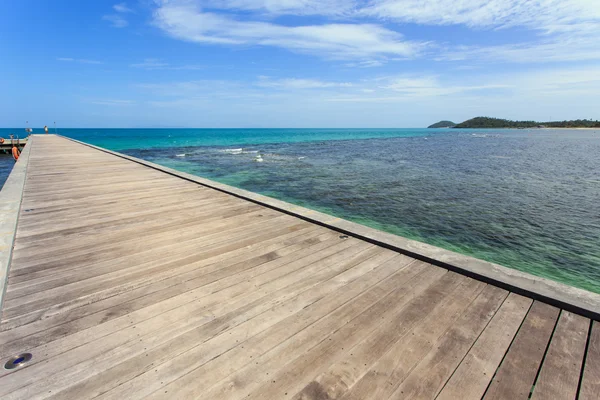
(487, 122)
(443, 124)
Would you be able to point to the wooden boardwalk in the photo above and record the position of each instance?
(128, 283)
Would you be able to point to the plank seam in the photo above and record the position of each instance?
(507, 350)
(471, 347)
(585, 354)
(537, 375)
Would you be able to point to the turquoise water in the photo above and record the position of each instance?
(526, 199)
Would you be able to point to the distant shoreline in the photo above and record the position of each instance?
(499, 123)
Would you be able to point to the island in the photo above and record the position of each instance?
(443, 124)
(498, 123)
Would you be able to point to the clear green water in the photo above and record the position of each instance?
(526, 199)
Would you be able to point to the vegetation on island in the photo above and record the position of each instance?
(443, 124)
(486, 122)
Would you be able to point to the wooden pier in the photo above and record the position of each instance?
(128, 281)
(7, 145)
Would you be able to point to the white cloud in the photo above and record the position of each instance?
(564, 30)
(548, 16)
(283, 7)
(150, 63)
(536, 83)
(567, 30)
(122, 8)
(78, 60)
(117, 21)
(295, 83)
(184, 20)
(367, 64)
(156, 64)
(560, 49)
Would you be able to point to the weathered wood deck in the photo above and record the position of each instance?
(127, 282)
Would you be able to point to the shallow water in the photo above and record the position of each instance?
(528, 199)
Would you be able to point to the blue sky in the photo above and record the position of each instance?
(296, 63)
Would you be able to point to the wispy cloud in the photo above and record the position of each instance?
(567, 30)
(287, 7)
(367, 63)
(552, 82)
(118, 20)
(548, 16)
(186, 21)
(295, 83)
(122, 8)
(78, 60)
(150, 63)
(157, 64)
(564, 30)
(564, 48)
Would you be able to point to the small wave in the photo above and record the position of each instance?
(301, 158)
(258, 158)
(180, 155)
(232, 151)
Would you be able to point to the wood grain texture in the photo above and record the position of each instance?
(428, 378)
(559, 376)
(477, 368)
(590, 384)
(515, 377)
(127, 282)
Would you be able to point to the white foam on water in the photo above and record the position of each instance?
(232, 151)
(180, 155)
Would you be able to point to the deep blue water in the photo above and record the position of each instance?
(526, 199)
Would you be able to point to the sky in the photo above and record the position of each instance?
(296, 63)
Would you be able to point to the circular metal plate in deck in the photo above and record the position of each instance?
(18, 361)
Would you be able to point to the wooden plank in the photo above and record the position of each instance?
(559, 376)
(234, 303)
(427, 379)
(291, 376)
(299, 332)
(52, 267)
(223, 251)
(177, 284)
(382, 378)
(34, 282)
(477, 368)
(590, 384)
(223, 347)
(142, 262)
(430, 314)
(516, 375)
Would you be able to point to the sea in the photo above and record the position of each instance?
(525, 199)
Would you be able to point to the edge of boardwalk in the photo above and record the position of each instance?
(551, 292)
(11, 197)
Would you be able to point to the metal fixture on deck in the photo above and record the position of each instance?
(18, 361)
